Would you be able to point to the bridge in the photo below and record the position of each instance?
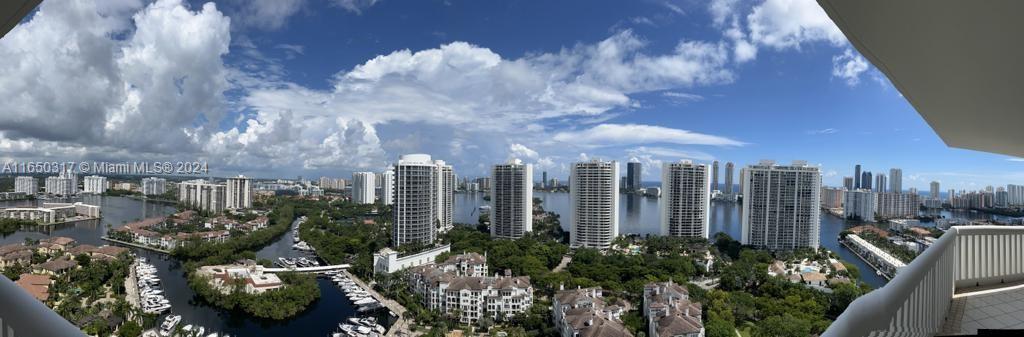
(317, 269)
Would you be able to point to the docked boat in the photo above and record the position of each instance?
(370, 307)
(168, 325)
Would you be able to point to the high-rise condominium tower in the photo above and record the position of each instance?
(714, 176)
(856, 176)
(94, 184)
(880, 183)
(27, 185)
(848, 183)
(633, 174)
(511, 200)
(593, 187)
(65, 184)
(895, 180)
(364, 187)
(415, 208)
(202, 195)
(445, 194)
(153, 186)
(934, 190)
(728, 177)
(387, 186)
(781, 205)
(239, 192)
(865, 180)
(686, 190)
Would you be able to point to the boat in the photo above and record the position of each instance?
(213, 335)
(169, 323)
(370, 307)
(200, 331)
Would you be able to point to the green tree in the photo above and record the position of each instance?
(130, 329)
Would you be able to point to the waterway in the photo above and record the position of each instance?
(640, 215)
(320, 319)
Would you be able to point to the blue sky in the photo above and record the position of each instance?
(306, 87)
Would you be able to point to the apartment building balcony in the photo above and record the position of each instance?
(970, 281)
(951, 61)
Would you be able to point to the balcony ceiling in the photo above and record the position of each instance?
(12, 11)
(960, 64)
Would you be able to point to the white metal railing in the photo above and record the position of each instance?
(916, 301)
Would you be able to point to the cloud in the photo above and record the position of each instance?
(460, 88)
(669, 153)
(674, 8)
(354, 6)
(848, 66)
(291, 50)
(520, 151)
(68, 79)
(783, 24)
(682, 97)
(1015, 159)
(628, 134)
(262, 14)
(825, 131)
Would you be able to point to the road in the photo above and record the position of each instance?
(561, 265)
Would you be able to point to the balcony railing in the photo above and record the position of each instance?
(916, 301)
(22, 315)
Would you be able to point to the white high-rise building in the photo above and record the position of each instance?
(781, 205)
(415, 208)
(1015, 195)
(686, 191)
(239, 192)
(387, 187)
(27, 185)
(94, 184)
(511, 200)
(860, 205)
(896, 206)
(594, 195)
(203, 195)
(363, 187)
(895, 180)
(934, 189)
(445, 181)
(154, 186)
(880, 183)
(65, 184)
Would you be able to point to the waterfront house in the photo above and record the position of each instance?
(55, 267)
(36, 285)
(16, 257)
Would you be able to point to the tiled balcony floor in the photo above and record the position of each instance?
(992, 308)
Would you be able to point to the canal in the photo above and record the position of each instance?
(320, 319)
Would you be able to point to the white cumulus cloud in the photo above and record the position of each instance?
(627, 134)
